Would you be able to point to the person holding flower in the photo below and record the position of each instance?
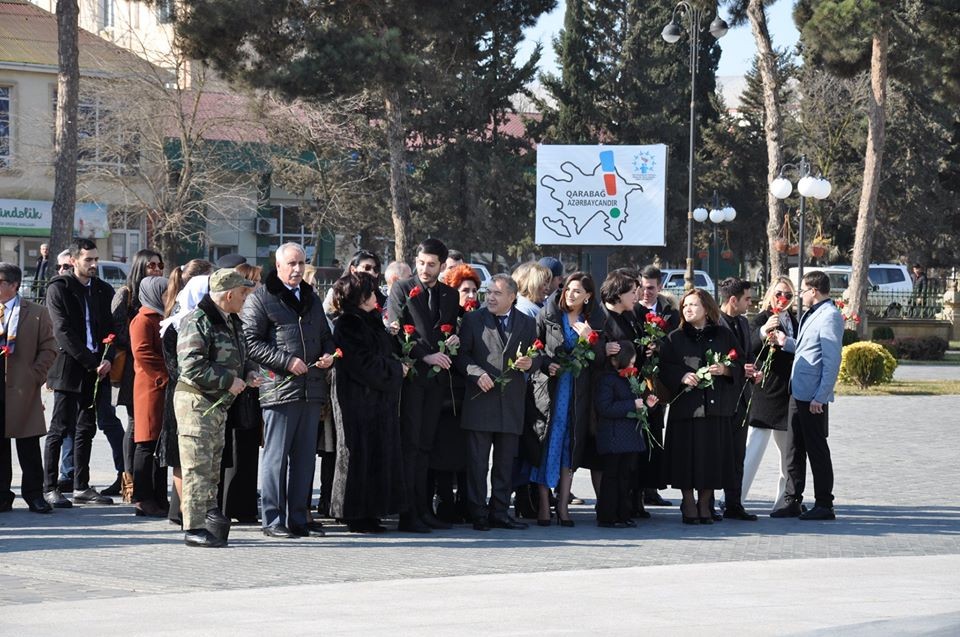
(569, 326)
(620, 435)
(497, 352)
(700, 363)
(368, 478)
(768, 408)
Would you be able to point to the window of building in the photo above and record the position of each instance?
(291, 228)
(5, 136)
(101, 144)
(107, 17)
(166, 13)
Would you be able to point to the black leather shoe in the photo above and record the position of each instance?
(611, 525)
(575, 500)
(277, 531)
(305, 531)
(56, 500)
(738, 513)
(203, 538)
(630, 523)
(481, 524)
(508, 523)
(789, 510)
(819, 512)
(434, 522)
(654, 500)
(114, 489)
(90, 496)
(714, 516)
(39, 505)
(412, 524)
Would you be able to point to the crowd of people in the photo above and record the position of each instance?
(415, 395)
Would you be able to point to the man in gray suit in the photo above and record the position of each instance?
(816, 364)
(494, 403)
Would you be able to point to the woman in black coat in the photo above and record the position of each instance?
(771, 397)
(698, 429)
(368, 479)
(564, 401)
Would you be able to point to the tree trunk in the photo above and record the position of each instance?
(399, 198)
(65, 144)
(772, 129)
(873, 162)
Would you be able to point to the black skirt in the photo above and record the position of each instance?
(695, 450)
(650, 468)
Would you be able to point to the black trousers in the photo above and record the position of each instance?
(420, 406)
(809, 441)
(72, 411)
(149, 478)
(239, 491)
(31, 466)
(505, 448)
(733, 481)
(614, 503)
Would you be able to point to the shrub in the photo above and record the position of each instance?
(866, 364)
(850, 336)
(924, 348)
(883, 333)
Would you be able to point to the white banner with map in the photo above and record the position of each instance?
(601, 195)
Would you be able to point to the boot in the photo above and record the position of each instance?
(218, 525)
(126, 487)
(114, 489)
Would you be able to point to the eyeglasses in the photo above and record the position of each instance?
(153, 265)
(805, 290)
(64, 266)
(783, 295)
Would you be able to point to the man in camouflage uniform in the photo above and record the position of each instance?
(212, 360)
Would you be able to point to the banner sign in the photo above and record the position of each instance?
(601, 195)
(26, 218)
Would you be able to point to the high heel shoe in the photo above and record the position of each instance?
(688, 520)
(568, 522)
(546, 522)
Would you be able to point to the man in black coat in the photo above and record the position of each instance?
(650, 300)
(493, 414)
(286, 333)
(737, 298)
(79, 306)
(425, 303)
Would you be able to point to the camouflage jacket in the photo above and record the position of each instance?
(211, 353)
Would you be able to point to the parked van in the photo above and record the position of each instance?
(673, 281)
(890, 285)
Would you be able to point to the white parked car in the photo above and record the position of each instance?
(484, 275)
(113, 272)
(673, 281)
(891, 287)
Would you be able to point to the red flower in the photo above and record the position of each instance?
(470, 305)
(109, 339)
(446, 328)
(378, 308)
(415, 292)
(338, 353)
(593, 338)
(409, 330)
(651, 317)
(626, 372)
(271, 375)
(732, 354)
(538, 344)
(841, 304)
(4, 352)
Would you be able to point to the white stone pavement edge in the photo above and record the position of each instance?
(875, 596)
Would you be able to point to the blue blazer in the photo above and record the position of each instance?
(816, 349)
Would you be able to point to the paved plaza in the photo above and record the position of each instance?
(889, 565)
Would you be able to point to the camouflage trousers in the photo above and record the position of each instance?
(201, 440)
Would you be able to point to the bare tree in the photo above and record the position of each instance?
(181, 154)
(65, 145)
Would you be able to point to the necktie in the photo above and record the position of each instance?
(432, 302)
(502, 326)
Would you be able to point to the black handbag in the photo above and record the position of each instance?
(245, 413)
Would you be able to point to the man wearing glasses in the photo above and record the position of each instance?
(816, 363)
(63, 263)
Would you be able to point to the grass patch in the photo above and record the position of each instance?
(950, 359)
(904, 388)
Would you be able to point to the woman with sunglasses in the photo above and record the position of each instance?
(768, 410)
(125, 306)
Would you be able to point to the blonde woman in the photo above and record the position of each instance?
(532, 280)
(771, 397)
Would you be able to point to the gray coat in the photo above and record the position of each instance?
(276, 327)
(483, 351)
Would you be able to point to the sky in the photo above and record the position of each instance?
(737, 45)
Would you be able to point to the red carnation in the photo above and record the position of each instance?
(651, 317)
(593, 338)
(538, 344)
(626, 372)
(446, 328)
(841, 304)
(4, 351)
(415, 292)
(409, 330)
(109, 339)
(732, 354)
(338, 353)
(470, 305)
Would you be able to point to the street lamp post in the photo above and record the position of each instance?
(717, 215)
(808, 186)
(694, 16)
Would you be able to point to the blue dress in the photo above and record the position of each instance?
(558, 438)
